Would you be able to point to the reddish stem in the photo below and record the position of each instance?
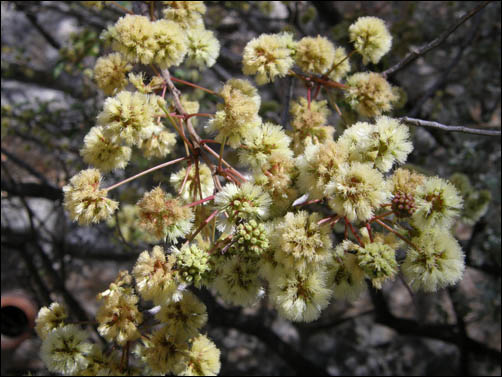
(381, 217)
(209, 141)
(368, 226)
(354, 232)
(206, 221)
(186, 178)
(193, 85)
(309, 99)
(317, 90)
(188, 116)
(200, 201)
(396, 233)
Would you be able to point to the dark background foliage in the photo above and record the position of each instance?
(49, 102)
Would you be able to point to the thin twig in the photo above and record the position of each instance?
(443, 127)
(146, 172)
(415, 54)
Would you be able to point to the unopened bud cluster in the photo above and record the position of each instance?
(403, 204)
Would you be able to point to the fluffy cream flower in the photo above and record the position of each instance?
(268, 56)
(318, 166)
(247, 201)
(356, 191)
(262, 143)
(237, 282)
(110, 73)
(159, 144)
(104, 152)
(184, 317)
(384, 144)
(64, 350)
(50, 318)
(300, 297)
(369, 94)
(163, 216)
(371, 38)
(238, 115)
(118, 316)
(438, 262)
(315, 54)
(155, 276)
(438, 203)
(187, 14)
(300, 243)
(85, 201)
(129, 117)
(203, 48)
(203, 358)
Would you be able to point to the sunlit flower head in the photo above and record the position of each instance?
(438, 262)
(64, 350)
(371, 38)
(438, 203)
(357, 191)
(268, 56)
(85, 201)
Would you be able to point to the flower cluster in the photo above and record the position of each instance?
(85, 201)
(244, 233)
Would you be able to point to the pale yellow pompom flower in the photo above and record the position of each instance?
(357, 190)
(133, 36)
(188, 14)
(318, 165)
(104, 152)
(238, 115)
(384, 144)
(268, 56)
(438, 262)
(50, 318)
(85, 201)
(163, 216)
(237, 282)
(203, 358)
(110, 73)
(64, 350)
(438, 203)
(369, 94)
(247, 201)
(300, 297)
(163, 352)
(171, 43)
(371, 38)
(378, 261)
(263, 142)
(315, 54)
(300, 243)
(203, 48)
(129, 117)
(305, 116)
(118, 316)
(159, 144)
(155, 276)
(184, 317)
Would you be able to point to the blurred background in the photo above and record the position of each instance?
(49, 103)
